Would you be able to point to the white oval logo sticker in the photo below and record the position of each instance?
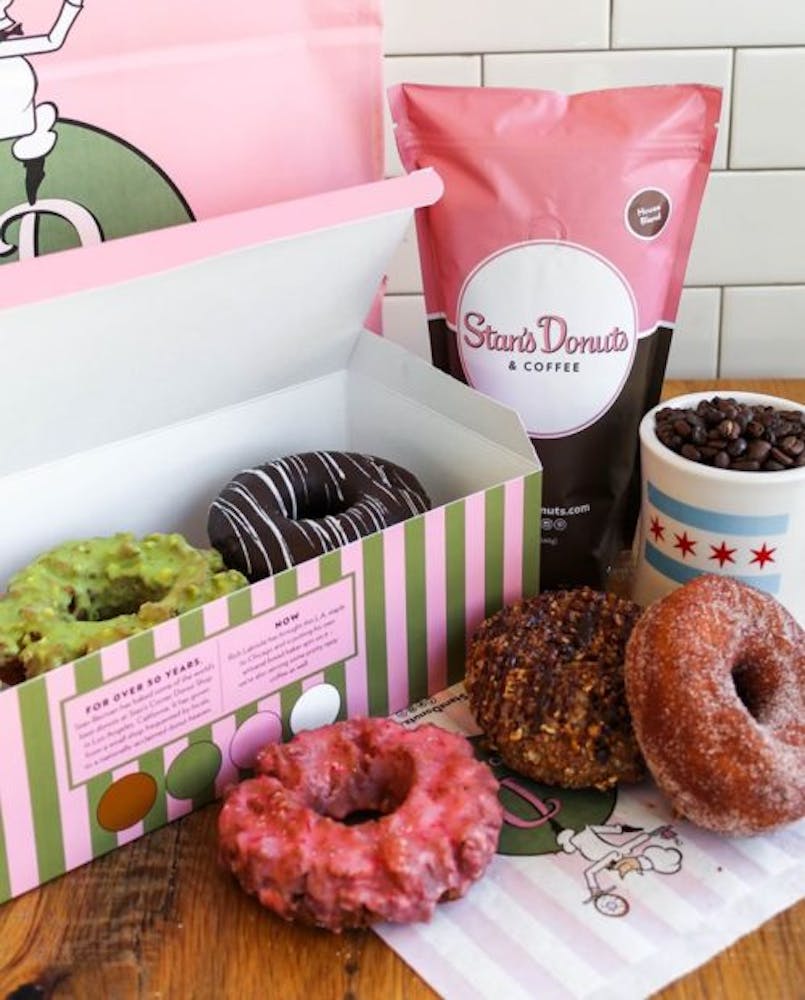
(549, 329)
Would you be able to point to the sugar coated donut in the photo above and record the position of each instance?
(545, 683)
(296, 508)
(87, 594)
(284, 836)
(715, 678)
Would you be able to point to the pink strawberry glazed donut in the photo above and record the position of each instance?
(433, 827)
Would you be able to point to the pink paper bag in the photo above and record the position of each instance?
(119, 118)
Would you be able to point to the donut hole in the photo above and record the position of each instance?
(322, 501)
(318, 507)
(362, 816)
(377, 787)
(751, 686)
(116, 598)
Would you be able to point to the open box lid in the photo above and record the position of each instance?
(176, 323)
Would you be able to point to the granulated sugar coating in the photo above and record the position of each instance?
(715, 680)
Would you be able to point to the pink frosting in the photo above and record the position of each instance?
(283, 836)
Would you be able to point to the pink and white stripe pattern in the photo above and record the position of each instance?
(528, 928)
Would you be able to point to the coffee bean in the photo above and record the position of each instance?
(729, 429)
(792, 445)
(737, 447)
(739, 436)
(778, 455)
(711, 415)
(758, 450)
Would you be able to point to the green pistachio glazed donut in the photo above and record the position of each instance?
(87, 594)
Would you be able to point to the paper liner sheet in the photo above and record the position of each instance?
(599, 894)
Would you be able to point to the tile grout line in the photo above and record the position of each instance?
(708, 286)
(592, 50)
(731, 121)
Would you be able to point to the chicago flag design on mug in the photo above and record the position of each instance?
(682, 541)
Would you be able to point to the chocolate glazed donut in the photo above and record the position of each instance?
(299, 507)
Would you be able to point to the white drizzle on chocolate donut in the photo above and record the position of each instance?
(274, 516)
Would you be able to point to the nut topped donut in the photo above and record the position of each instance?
(87, 594)
(296, 508)
(435, 828)
(545, 683)
(715, 678)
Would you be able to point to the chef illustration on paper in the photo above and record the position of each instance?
(21, 118)
(616, 847)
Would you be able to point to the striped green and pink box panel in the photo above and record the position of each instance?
(101, 751)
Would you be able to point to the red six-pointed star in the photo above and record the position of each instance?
(762, 555)
(722, 553)
(657, 529)
(687, 546)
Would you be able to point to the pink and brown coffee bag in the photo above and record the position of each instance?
(552, 270)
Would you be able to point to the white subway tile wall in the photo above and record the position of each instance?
(440, 26)
(743, 310)
(660, 24)
(577, 71)
(768, 129)
(766, 326)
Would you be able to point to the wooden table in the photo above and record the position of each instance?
(158, 919)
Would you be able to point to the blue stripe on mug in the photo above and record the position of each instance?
(680, 573)
(713, 520)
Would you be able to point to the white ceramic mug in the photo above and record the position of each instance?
(699, 519)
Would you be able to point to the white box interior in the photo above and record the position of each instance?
(164, 480)
(100, 365)
(151, 393)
